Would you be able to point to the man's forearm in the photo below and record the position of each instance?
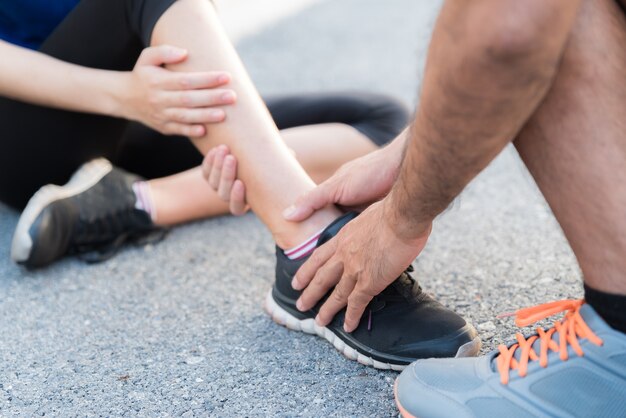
(490, 64)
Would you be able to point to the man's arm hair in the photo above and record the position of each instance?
(490, 64)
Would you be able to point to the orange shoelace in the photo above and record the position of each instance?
(570, 329)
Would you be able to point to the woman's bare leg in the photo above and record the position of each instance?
(272, 175)
(320, 149)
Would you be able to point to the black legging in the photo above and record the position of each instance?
(42, 145)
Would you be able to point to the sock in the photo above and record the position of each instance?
(611, 307)
(144, 198)
(304, 249)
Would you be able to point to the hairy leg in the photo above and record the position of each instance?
(575, 145)
(271, 173)
(320, 149)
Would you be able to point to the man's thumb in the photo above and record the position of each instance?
(307, 204)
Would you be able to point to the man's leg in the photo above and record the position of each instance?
(575, 145)
(575, 148)
(272, 175)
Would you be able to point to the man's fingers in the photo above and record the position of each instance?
(326, 277)
(307, 271)
(229, 173)
(162, 54)
(238, 205)
(309, 202)
(357, 302)
(336, 301)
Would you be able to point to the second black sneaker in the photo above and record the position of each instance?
(92, 215)
(399, 326)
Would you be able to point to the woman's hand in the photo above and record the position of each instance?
(219, 169)
(173, 103)
(167, 101)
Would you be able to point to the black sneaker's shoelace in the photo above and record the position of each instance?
(98, 237)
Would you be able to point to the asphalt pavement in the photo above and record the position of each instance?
(177, 329)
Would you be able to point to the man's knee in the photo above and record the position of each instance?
(521, 33)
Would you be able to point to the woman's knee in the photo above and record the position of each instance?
(382, 117)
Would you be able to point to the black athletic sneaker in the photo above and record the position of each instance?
(92, 215)
(399, 326)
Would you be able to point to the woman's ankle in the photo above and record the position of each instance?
(295, 234)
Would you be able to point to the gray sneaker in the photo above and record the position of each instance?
(575, 369)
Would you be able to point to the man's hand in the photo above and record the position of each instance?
(356, 185)
(169, 102)
(360, 262)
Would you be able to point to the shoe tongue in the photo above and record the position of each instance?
(334, 228)
(403, 286)
(591, 318)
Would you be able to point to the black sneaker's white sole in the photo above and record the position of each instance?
(85, 177)
(284, 318)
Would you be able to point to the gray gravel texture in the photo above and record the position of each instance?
(177, 329)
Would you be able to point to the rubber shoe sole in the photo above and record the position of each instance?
(403, 412)
(84, 178)
(308, 326)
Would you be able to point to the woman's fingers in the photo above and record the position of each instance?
(238, 204)
(162, 54)
(219, 169)
(182, 129)
(197, 98)
(227, 178)
(216, 169)
(207, 163)
(171, 102)
(192, 81)
(195, 115)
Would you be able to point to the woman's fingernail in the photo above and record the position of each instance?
(289, 212)
(294, 284)
(178, 52)
(228, 96)
(223, 78)
(299, 305)
(217, 113)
